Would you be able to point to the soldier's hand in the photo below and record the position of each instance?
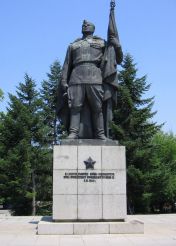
(113, 41)
(64, 87)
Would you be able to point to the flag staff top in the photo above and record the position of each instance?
(112, 4)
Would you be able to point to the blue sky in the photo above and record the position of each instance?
(36, 32)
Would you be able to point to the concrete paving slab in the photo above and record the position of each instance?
(47, 241)
(71, 241)
(23, 240)
(98, 241)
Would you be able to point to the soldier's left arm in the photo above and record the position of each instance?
(118, 49)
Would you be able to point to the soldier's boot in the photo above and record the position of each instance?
(98, 125)
(74, 124)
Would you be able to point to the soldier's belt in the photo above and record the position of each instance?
(87, 63)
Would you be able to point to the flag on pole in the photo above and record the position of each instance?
(112, 27)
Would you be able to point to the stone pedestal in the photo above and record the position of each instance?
(48, 227)
(89, 190)
(89, 183)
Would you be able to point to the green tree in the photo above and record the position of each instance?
(162, 172)
(1, 95)
(133, 127)
(1, 148)
(49, 95)
(24, 158)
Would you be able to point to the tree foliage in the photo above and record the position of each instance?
(1, 95)
(162, 173)
(24, 158)
(49, 94)
(133, 127)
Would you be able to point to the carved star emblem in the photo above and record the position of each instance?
(89, 163)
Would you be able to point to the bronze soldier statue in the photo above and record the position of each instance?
(89, 81)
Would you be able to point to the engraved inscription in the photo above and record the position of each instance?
(89, 176)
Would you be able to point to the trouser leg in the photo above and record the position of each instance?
(98, 125)
(74, 124)
(76, 95)
(95, 97)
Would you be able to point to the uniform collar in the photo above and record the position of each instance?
(90, 37)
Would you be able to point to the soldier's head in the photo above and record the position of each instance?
(87, 27)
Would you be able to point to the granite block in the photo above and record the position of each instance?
(116, 185)
(113, 157)
(89, 207)
(65, 207)
(65, 157)
(114, 207)
(86, 152)
(63, 184)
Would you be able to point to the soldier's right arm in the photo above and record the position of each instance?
(66, 70)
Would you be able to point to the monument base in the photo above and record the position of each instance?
(47, 227)
(89, 181)
(89, 190)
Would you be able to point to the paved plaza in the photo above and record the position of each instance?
(21, 231)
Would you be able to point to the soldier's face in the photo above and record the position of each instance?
(87, 28)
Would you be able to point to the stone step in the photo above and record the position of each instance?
(47, 227)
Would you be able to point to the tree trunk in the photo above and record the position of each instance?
(55, 130)
(33, 194)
